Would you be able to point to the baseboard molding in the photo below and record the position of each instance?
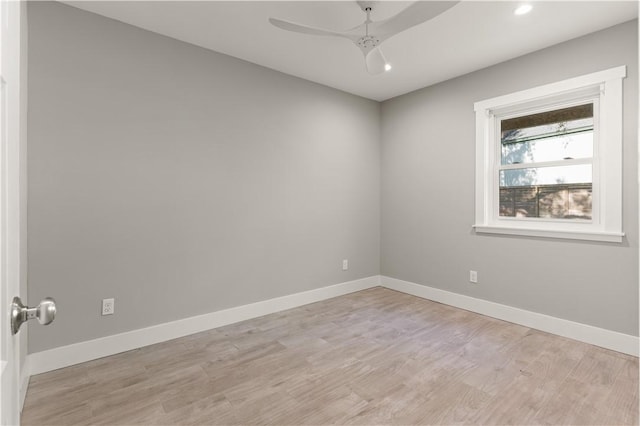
(585, 333)
(25, 375)
(64, 356)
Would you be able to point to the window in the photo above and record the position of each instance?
(548, 160)
(546, 167)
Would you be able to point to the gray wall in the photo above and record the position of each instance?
(181, 181)
(428, 158)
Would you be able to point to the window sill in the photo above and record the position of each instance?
(610, 237)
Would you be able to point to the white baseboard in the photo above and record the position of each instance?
(76, 353)
(25, 375)
(585, 333)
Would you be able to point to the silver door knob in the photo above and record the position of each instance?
(45, 313)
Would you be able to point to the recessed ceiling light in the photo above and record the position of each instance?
(524, 9)
(387, 67)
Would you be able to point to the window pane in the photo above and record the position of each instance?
(550, 136)
(547, 201)
(547, 192)
(577, 145)
(533, 176)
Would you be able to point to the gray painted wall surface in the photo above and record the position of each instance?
(181, 181)
(428, 166)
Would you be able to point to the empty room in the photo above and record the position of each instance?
(319, 212)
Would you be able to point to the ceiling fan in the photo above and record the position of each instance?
(369, 35)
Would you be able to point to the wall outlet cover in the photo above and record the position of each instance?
(108, 306)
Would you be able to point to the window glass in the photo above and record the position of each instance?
(558, 188)
(559, 175)
(550, 136)
(547, 201)
(555, 148)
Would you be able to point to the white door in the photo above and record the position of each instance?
(10, 174)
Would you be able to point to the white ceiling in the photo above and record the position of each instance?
(470, 36)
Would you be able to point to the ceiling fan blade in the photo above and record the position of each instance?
(290, 26)
(376, 62)
(417, 13)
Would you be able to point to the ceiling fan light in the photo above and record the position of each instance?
(523, 9)
(376, 62)
(387, 67)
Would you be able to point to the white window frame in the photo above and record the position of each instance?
(604, 88)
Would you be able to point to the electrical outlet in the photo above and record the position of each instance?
(345, 264)
(108, 306)
(473, 276)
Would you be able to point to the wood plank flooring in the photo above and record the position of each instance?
(372, 357)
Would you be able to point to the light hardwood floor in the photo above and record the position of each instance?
(372, 357)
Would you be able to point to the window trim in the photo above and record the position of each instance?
(606, 225)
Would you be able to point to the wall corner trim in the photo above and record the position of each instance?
(76, 353)
(608, 339)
